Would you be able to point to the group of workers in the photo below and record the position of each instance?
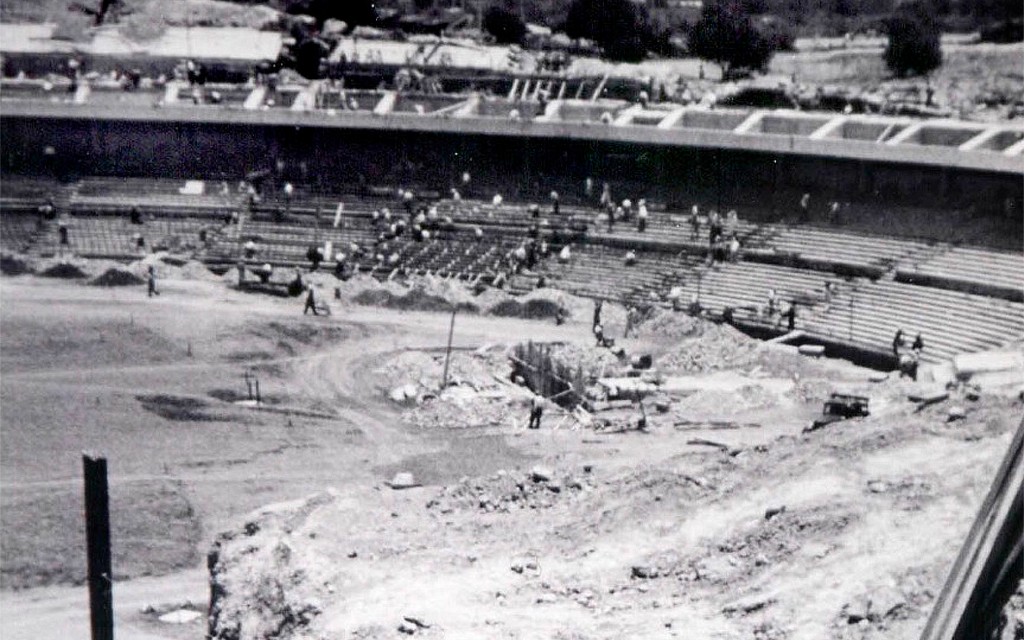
(625, 211)
(907, 359)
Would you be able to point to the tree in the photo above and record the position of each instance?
(351, 12)
(913, 47)
(504, 25)
(621, 28)
(726, 35)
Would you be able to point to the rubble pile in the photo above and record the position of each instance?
(595, 361)
(876, 613)
(477, 370)
(671, 325)
(505, 491)
(417, 299)
(265, 580)
(174, 267)
(462, 408)
(716, 347)
(660, 484)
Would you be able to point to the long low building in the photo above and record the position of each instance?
(233, 51)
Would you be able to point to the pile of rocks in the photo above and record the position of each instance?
(671, 324)
(507, 491)
(717, 347)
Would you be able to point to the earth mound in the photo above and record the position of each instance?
(116, 277)
(65, 270)
(417, 299)
(14, 265)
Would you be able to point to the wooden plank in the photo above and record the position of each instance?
(989, 563)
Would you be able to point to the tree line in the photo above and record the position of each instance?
(735, 34)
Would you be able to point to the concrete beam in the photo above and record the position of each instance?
(386, 104)
(455, 109)
(1015, 149)
(980, 139)
(625, 116)
(749, 123)
(171, 92)
(82, 93)
(672, 119)
(468, 108)
(306, 99)
(552, 112)
(906, 134)
(255, 98)
(829, 128)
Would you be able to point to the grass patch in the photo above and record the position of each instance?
(53, 342)
(154, 531)
(178, 408)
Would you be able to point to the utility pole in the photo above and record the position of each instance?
(97, 537)
(448, 351)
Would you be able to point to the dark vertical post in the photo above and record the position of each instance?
(448, 351)
(97, 536)
(851, 315)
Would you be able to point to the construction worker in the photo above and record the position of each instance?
(310, 302)
(536, 411)
(630, 320)
(606, 196)
(918, 345)
(264, 272)
(897, 343)
(791, 316)
(151, 282)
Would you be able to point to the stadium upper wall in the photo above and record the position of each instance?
(907, 152)
(524, 159)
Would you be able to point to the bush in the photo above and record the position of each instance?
(725, 35)
(352, 12)
(913, 47)
(1003, 32)
(621, 28)
(779, 34)
(504, 25)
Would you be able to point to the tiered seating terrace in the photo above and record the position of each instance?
(986, 272)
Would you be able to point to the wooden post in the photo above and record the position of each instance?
(97, 535)
(448, 351)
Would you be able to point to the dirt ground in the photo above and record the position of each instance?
(842, 533)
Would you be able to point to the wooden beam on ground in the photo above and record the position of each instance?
(990, 562)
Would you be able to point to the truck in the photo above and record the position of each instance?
(840, 406)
